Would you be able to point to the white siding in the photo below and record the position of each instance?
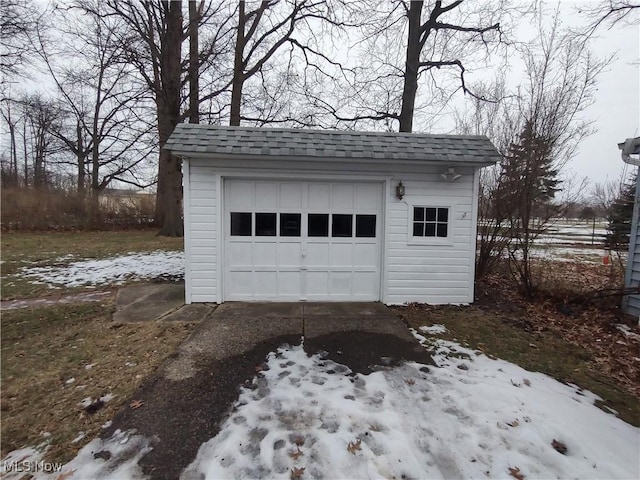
(201, 233)
(428, 273)
(631, 303)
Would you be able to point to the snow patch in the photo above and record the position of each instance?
(627, 332)
(436, 329)
(415, 421)
(115, 458)
(115, 270)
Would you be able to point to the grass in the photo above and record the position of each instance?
(59, 248)
(42, 349)
(506, 337)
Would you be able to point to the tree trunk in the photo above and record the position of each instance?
(194, 106)
(169, 201)
(412, 65)
(238, 70)
(14, 154)
(38, 167)
(80, 157)
(24, 152)
(94, 206)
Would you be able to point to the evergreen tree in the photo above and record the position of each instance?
(529, 180)
(620, 217)
(528, 183)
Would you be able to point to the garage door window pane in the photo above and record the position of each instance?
(265, 224)
(290, 224)
(342, 226)
(318, 225)
(240, 224)
(366, 226)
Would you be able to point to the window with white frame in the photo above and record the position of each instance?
(430, 222)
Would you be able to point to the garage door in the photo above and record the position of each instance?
(292, 241)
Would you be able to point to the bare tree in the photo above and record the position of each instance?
(194, 63)
(413, 57)
(41, 115)
(99, 98)
(264, 31)
(560, 83)
(610, 12)
(153, 45)
(7, 108)
(18, 20)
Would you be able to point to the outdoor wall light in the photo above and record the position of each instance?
(450, 175)
(400, 190)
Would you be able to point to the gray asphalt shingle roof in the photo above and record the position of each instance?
(213, 141)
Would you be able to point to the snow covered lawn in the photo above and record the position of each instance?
(472, 417)
(109, 271)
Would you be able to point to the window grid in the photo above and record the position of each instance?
(262, 224)
(431, 222)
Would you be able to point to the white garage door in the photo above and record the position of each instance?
(294, 241)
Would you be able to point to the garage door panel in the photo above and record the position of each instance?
(342, 197)
(290, 195)
(289, 254)
(318, 197)
(365, 254)
(287, 264)
(239, 254)
(290, 284)
(268, 195)
(364, 282)
(265, 283)
(341, 254)
(317, 254)
(240, 283)
(317, 283)
(240, 196)
(368, 197)
(265, 254)
(340, 282)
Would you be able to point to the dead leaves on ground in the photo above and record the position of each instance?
(296, 454)
(354, 447)
(559, 447)
(516, 473)
(136, 404)
(296, 472)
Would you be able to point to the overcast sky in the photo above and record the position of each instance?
(616, 111)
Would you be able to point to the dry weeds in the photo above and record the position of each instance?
(53, 358)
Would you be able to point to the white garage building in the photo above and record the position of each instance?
(295, 215)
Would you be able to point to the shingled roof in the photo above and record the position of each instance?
(211, 141)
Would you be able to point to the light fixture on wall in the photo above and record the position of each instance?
(450, 175)
(400, 190)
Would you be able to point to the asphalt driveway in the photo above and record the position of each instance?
(183, 405)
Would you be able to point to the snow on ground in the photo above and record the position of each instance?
(115, 270)
(436, 329)
(470, 417)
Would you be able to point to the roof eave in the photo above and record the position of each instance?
(480, 162)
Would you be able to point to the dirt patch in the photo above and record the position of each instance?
(365, 352)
